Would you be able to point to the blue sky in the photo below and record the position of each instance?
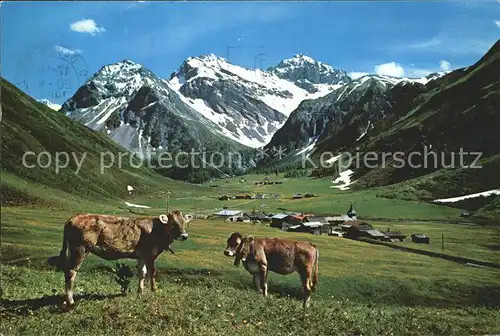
(400, 38)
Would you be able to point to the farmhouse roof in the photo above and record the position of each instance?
(359, 224)
(338, 218)
(375, 233)
(317, 219)
(312, 224)
(297, 216)
(279, 216)
(226, 212)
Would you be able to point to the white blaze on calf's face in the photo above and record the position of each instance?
(245, 249)
(233, 242)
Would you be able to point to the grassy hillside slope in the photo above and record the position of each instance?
(29, 126)
(458, 111)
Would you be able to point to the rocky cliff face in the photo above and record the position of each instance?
(250, 104)
(346, 113)
(310, 75)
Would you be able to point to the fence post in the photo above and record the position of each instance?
(168, 197)
(442, 241)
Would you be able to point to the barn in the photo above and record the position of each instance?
(277, 220)
(395, 236)
(357, 229)
(420, 238)
(315, 228)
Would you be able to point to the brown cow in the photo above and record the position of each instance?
(112, 237)
(281, 256)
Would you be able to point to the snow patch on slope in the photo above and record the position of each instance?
(132, 205)
(460, 198)
(309, 147)
(344, 179)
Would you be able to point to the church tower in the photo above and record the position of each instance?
(351, 213)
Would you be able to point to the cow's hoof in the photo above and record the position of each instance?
(154, 289)
(66, 307)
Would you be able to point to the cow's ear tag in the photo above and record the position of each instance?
(163, 219)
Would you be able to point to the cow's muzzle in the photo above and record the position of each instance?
(228, 253)
(183, 236)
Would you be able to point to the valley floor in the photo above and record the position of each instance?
(363, 289)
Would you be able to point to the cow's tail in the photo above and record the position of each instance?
(316, 271)
(60, 261)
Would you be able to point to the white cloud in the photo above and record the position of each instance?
(86, 26)
(445, 65)
(395, 69)
(497, 22)
(444, 43)
(390, 69)
(67, 51)
(356, 75)
(417, 72)
(426, 44)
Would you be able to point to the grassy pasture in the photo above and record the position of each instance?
(329, 200)
(363, 289)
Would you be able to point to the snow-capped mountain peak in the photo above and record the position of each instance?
(55, 107)
(309, 74)
(120, 68)
(392, 80)
(301, 60)
(251, 104)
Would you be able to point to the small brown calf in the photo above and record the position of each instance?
(281, 256)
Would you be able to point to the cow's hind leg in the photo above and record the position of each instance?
(76, 257)
(306, 279)
(150, 265)
(141, 272)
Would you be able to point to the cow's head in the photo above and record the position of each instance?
(233, 242)
(175, 224)
(245, 250)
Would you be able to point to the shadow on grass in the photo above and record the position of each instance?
(55, 302)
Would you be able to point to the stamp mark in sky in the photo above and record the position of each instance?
(53, 73)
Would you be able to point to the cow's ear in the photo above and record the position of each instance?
(250, 239)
